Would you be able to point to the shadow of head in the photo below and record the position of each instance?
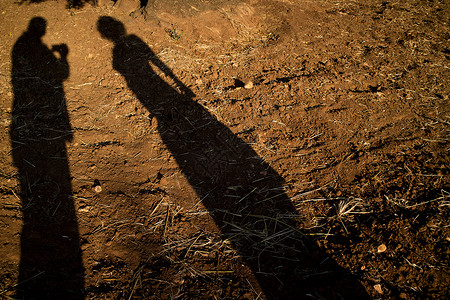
(110, 28)
(37, 27)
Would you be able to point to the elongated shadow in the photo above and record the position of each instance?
(243, 194)
(50, 263)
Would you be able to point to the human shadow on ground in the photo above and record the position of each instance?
(50, 262)
(242, 193)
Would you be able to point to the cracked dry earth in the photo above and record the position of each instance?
(196, 149)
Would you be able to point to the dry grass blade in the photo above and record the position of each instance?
(166, 221)
(406, 204)
(349, 207)
(345, 210)
(136, 279)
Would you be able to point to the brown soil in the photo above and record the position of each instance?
(225, 149)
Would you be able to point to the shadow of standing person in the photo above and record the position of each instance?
(50, 263)
(242, 193)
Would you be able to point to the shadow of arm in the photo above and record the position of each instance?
(168, 72)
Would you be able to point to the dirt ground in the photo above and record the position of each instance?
(255, 149)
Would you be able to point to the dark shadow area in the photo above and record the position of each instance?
(31, 1)
(70, 3)
(243, 194)
(50, 264)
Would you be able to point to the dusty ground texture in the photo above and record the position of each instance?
(225, 149)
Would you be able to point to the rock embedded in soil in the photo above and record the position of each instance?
(378, 288)
(382, 248)
(249, 85)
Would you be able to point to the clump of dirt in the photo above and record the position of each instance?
(224, 149)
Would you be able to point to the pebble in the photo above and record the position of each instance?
(381, 248)
(378, 288)
(249, 85)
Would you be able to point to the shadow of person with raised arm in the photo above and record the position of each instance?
(50, 263)
(243, 194)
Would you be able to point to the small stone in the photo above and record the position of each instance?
(84, 209)
(403, 296)
(248, 85)
(381, 248)
(378, 288)
(97, 189)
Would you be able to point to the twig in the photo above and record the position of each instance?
(166, 221)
